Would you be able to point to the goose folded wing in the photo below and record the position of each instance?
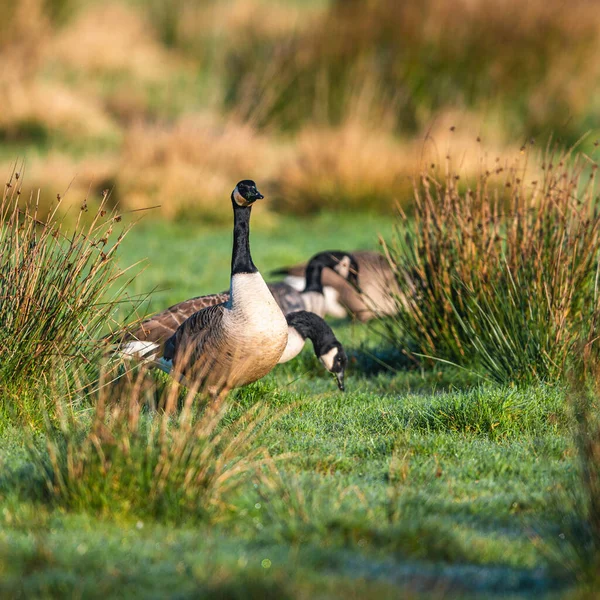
(161, 326)
(191, 337)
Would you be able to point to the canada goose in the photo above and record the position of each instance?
(146, 339)
(238, 341)
(303, 325)
(377, 294)
(311, 296)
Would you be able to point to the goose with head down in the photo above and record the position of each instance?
(304, 325)
(147, 340)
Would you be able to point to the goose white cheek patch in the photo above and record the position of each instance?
(343, 267)
(240, 200)
(328, 358)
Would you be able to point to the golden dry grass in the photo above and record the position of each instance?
(61, 174)
(55, 109)
(111, 38)
(163, 123)
(24, 30)
(187, 168)
(350, 167)
(362, 165)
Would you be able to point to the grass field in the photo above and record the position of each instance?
(414, 483)
(424, 479)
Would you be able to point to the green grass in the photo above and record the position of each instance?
(426, 483)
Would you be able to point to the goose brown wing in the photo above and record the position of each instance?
(161, 326)
(192, 335)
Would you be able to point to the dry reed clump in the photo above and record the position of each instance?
(360, 165)
(36, 111)
(504, 271)
(110, 38)
(24, 31)
(189, 169)
(192, 26)
(73, 179)
(350, 167)
(502, 56)
(175, 467)
(33, 109)
(58, 288)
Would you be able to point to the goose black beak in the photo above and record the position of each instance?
(340, 380)
(256, 196)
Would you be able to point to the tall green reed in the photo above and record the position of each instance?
(59, 287)
(505, 271)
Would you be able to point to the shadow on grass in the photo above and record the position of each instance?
(398, 371)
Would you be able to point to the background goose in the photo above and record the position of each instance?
(374, 295)
(146, 340)
(239, 341)
(310, 296)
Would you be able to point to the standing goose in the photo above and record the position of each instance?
(146, 340)
(239, 341)
(377, 295)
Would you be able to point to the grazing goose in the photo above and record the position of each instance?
(235, 342)
(376, 293)
(146, 340)
(303, 325)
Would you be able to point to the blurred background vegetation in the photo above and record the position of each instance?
(327, 104)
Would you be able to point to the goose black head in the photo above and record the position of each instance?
(245, 193)
(334, 359)
(343, 263)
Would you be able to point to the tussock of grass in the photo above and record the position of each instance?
(23, 33)
(58, 288)
(189, 169)
(504, 272)
(111, 38)
(167, 466)
(351, 168)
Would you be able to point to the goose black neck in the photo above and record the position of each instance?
(241, 260)
(314, 272)
(311, 326)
